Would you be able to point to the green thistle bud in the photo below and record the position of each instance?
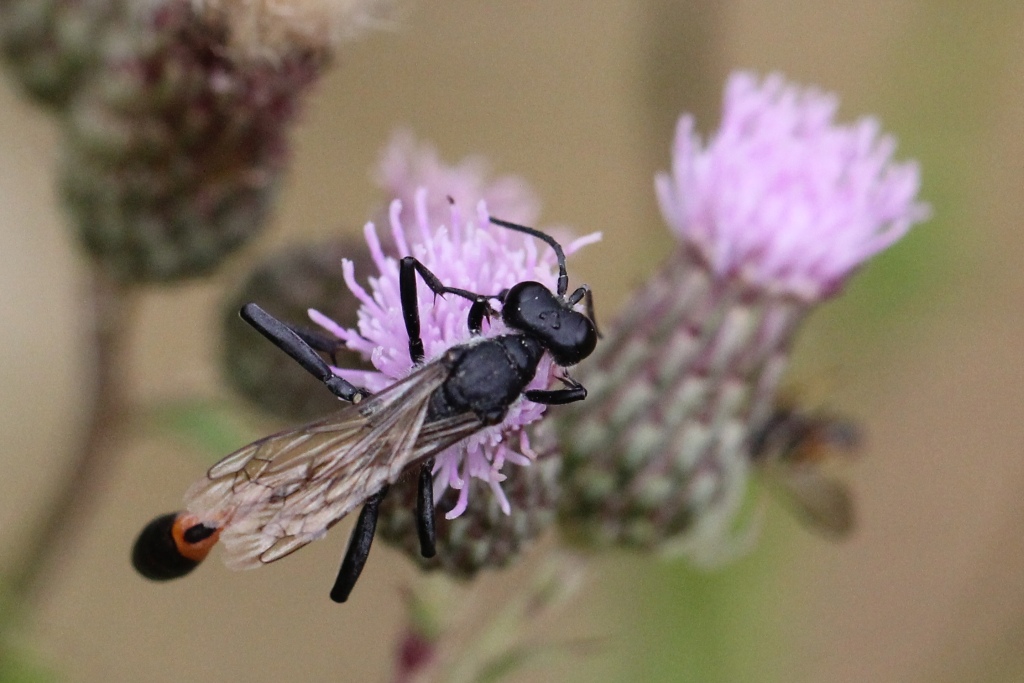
(287, 284)
(483, 536)
(658, 452)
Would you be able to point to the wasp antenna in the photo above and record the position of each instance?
(563, 275)
(171, 546)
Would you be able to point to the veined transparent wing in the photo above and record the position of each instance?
(277, 494)
(822, 503)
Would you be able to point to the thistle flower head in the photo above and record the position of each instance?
(268, 29)
(407, 164)
(172, 152)
(773, 214)
(469, 253)
(782, 196)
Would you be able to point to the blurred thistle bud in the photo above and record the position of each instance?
(287, 284)
(273, 29)
(50, 44)
(773, 215)
(172, 150)
(484, 535)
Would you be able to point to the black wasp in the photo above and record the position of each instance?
(277, 494)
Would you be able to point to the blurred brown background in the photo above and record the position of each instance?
(580, 99)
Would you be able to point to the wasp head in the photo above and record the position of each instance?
(532, 308)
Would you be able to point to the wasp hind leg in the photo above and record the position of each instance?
(425, 520)
(297, 346)
(358, 547)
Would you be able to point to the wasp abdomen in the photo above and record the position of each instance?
(171, 546)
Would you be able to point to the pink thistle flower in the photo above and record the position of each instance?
(406, 165)
(469, 253)
(773, 214)
(782, 196)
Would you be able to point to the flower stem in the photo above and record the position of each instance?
(108, 307)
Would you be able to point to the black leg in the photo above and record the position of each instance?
(410, 263)
(557, 397)
(286, 339)
(319, 341)
(358, 547)
(425, 510)
(477, 312)
(408, 268)
(410, 307)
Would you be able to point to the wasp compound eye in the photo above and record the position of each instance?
(171, 546)
(576, 339)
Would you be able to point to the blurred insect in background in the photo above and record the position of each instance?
(274, 496)
(791, 450)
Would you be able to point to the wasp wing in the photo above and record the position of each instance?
(822, 503)
(279, 493)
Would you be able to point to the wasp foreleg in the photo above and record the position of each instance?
(556, 397)
(477, 312)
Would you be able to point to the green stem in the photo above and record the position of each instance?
(108, 305)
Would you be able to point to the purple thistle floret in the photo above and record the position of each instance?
(783, 197)
(469, 253)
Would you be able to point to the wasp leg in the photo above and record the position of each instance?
(358, 547)
(319, 341)
(557, 397)
(289, 341)
(477, 312)
(410, 307)
(425, 510)
(408, 268)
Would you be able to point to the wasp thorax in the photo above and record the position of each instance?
(569, 335)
